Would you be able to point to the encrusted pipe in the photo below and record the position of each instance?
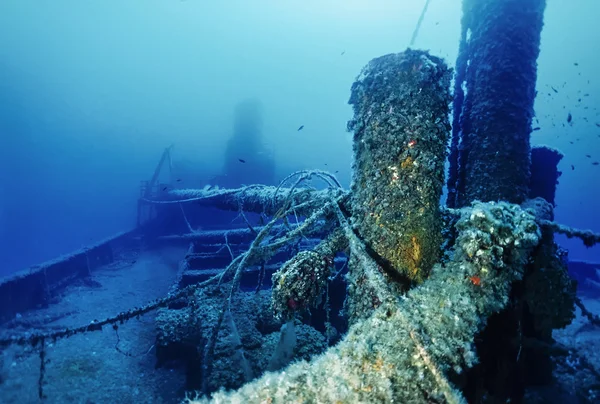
(503, 43)
(401, 127)
(403, 352)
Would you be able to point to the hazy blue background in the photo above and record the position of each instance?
(92, 91)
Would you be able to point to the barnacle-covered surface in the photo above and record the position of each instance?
(183, 332)
(254, 198)
(549, 290)
(400, 130)
(513, 346)
(301, 281)
(402, 351)
(493, 162)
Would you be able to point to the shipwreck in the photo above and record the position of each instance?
(377, 293)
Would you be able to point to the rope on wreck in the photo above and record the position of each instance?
(257, 251)
(254, 253)
(40, 338)
(588, 237)
(416, 31)
(33, 339)
(593, 318)
(375, 278)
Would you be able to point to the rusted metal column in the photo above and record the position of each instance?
(401, 130)
(491, 160)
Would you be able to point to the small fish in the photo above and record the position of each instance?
(569, 118)
(324, 163)
(342, 54)
(536, 128)
(300, 128)
(241, 160)
(598, 125)
(576, 64)
(337, 171)
(178, 179)
(165, 188)
(554, 89)
(595, 163)
(572, 167)
(437, 23)
(588, 156)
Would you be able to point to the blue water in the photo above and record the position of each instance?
(91, 93)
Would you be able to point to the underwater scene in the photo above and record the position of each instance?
(334, 201)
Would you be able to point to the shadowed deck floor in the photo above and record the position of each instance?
(86, 368)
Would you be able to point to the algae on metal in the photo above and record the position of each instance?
(300, 283)
(402, 352)
(549, 290)
(497, 66)
(401, 128)
(490, 160)
(402, 348)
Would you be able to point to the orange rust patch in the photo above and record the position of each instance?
(475, 280)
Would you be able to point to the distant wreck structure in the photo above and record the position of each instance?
(246, 148)
(544, 173)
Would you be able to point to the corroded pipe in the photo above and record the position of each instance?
(401, 131)
(492, 158)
